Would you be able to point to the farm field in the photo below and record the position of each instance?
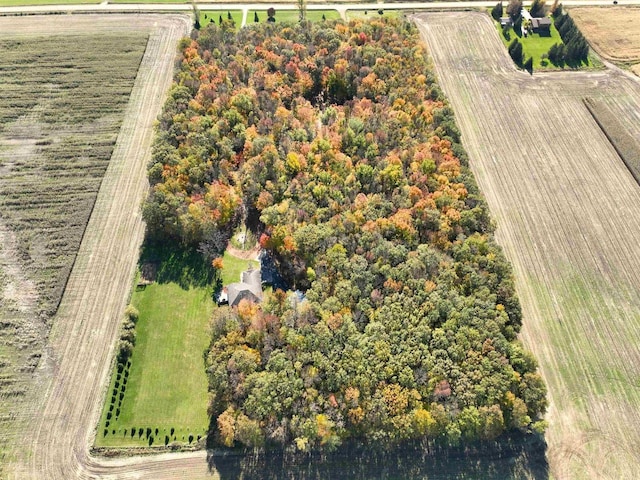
(565, 206)
(58, 126)
(612, 32)
(11, 3)
(74, 363)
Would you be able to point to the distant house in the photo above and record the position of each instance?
(249, 287)
(541, 25)
(506, 22)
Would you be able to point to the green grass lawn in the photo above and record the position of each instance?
(535, 45)
(232, 267)
(165, 396)
(165, 386)
(293, 16)
(370, 14)
(208, 16)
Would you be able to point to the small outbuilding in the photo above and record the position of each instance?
(506, 22)
(541, 25)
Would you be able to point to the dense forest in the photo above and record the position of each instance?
(337, 141)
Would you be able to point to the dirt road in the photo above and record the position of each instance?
(566, 209)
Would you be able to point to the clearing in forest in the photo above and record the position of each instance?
(566, 209)
(159, 396)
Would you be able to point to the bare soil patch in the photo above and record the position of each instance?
(613, 32)
(565, 207)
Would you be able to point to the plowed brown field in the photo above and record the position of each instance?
(613, 32)
(67, 390)
(566, 209)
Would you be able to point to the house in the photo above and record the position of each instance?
(249, 287)
(541, 25)
(506, 22)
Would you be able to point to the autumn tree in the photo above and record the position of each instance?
(336, 141)
(514, 9)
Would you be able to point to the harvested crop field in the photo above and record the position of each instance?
(61, 145)
(612, 31)
(59, 121)
(566, 210)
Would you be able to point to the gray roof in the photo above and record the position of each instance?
(540, 22)
(249, 287)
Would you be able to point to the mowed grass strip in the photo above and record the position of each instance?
(373, 14)
(208, 16)
(167, 385)
(292, 15)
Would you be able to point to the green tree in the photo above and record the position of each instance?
(514, 9)
(538, 8)
(497, 11)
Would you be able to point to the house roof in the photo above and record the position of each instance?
(250, 287)
(541, 22)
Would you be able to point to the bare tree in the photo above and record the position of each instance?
(302, 9)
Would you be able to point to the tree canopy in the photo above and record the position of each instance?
(338, 138)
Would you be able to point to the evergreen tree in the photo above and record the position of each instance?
(515, 50)
(497, 11)
(255, 17)
(537, 9)
(528, 65)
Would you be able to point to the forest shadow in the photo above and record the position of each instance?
(174, 263)
(513, 457)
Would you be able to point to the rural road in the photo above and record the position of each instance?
(340, 7)
(85, 329)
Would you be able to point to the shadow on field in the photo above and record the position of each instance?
(186, 267)
(515, 457)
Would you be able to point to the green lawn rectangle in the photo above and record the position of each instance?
(535, 45)
(292, 15)
(233, 266)
(373, 14)
(167, 386)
